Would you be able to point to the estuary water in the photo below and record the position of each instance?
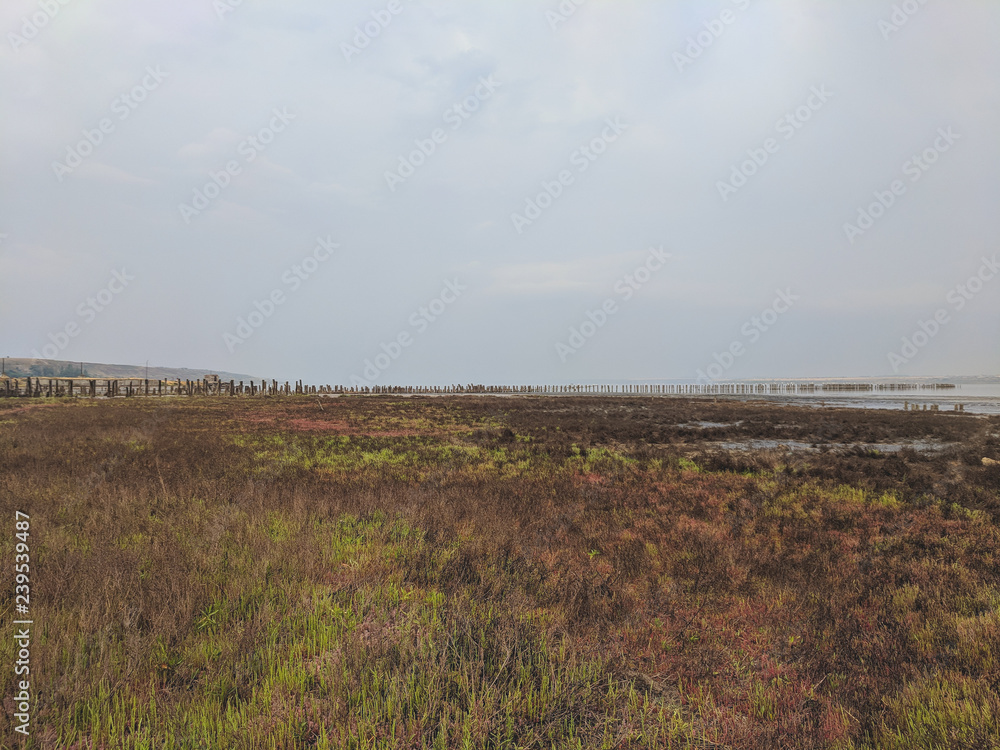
(977, 399)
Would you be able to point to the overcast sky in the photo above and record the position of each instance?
(441, 192)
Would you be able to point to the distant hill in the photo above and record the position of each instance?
(20, 368)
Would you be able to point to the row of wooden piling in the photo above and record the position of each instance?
(907, 406)
(873, 387)
(126, 387)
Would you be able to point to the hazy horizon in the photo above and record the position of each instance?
(520, 193)
(15, 362)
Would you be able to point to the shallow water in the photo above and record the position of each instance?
(977, 399)
(795, 445)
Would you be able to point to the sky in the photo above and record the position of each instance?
(435, 192)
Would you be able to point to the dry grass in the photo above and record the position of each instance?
(502, 573)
